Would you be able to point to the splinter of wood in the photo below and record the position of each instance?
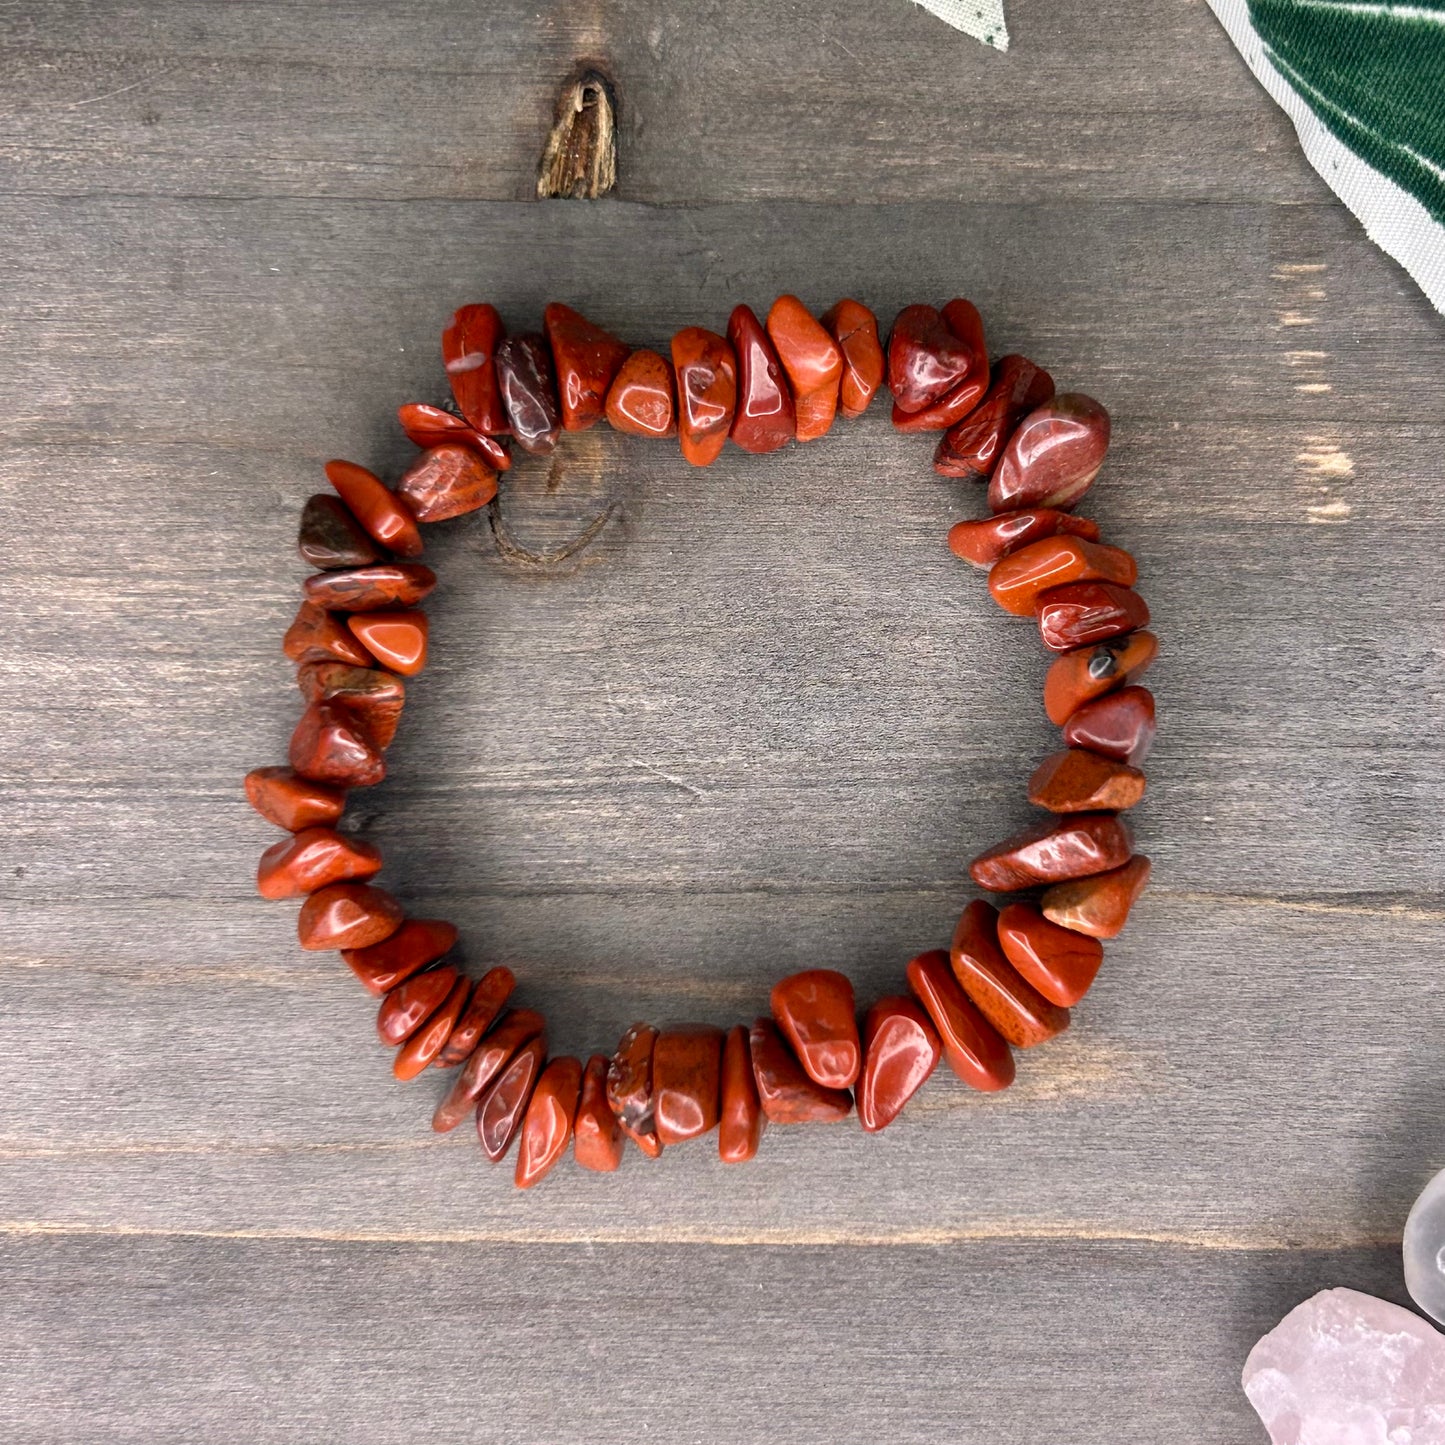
(580, 158)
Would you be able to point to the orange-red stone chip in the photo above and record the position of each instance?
(516, 1027)
(740, 1128)
(765, 418)
(629, 1087)
(1014, 1007)
(1058, 962)
(488, 999)
(418, 942)
(547, 1125)
(812, 361)
(597, 1137)
(330, 745)
(381, 512)
(500, 1111)
(855, 328)
(986, 542)
(817, 1014)
(972, 1046)
(1090, 672)
(366, 589)
(283, 797)
(347, 915)
(1073, 846)
(641, 400)
(446, 481)
(707, 393)
(686, 1082)
(1077, 781)
(398, 640)
(428, 1041)
(408, 1006)
(586, 360)
(1019, 578)
(971, 448)
(311, 859)
(1098, 906)
(370, 695)
(1079, 614)
(430, 426)
(316, 635)
(1119, 725)
(962, 319)
(900, 1050)
(469, 350)
(786, 1093)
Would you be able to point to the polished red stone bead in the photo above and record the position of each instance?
(1017, 581)
(925, 359)
(817, 1015)
(397, 640)
(597, 1137)
(960, 317)
(447, 481)
(1053, 850)
(331, 746)
(529, 392)
(367, 589)
(1058, 962)
(283, 797)
(1014, 1007)
(372, 697)
(329, 536)
(900, 1050)
(707, 393)
(347, 915)
(686, 1082)
(787, 1095)
(765, 418)
(317, 636)
(547, 1124)
(741, 1124)
(812, 361)
(488, 999)
(1119, 725)
(384, 515)
(985, 543)
(1098, 906)
(855, 328)
(429, 426)
(501, 1108)
(971, 448)
(641, 401)
(586, 360)
(1078, 781)
(311, 859)
(417, 943)
(426, 1044)
(1091, 672)
(409, 1005)
(1053, 456)
(1081, 613)
(972, 1046)
(516, 1028)
(469, 351)
(629, 1087)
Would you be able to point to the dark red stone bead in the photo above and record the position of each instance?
(384, 515)
(765, 419)
(367, 589)
(423, 1047)
(707, 393)
(1058, 962)
(925, 359)
(409, 1005)
(597, 1137)
(429, 426)
(817, 1015)
(500, 1110)
(447, 481)
(972, 1046)
(311, 859)
(786, 1093)
(1082, 613)
(741, 1125)
(547, 1125)
(331, 746)
(586, 360)
(515, 1028)
(971, 448)
(331, 537)
(1078, 781)
(1014, 1007)
(900, 1050)
(469, 350)
(317, 636)
(396, 639)
(529, 392)
(641, 401)
(812, 362)
(415, 944)
(960, 317)
(283, 797)
(1091, 672)
(855, 328)
(987, 542)
(686, 1082)
(488, 999)
(1098, 906)
(347, 915)
(1017, 582)
(1073, 846)
(1119, 725)
(629, 1087)
(372, 697)
(1053, 456)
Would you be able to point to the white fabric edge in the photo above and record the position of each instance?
(987, 27)
(1393, 219)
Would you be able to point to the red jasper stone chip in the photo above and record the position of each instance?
(429, 426)
(1013, 1006)
(385, 516)
(1017, 582)
(329, 745)
(1078, 781)
(500, 1111)
(372, 698)
(316, 635)
(1120, 725)
(446, 481)
(1081, 613)
(396, 639)
(972, 1047)
(283, 797)
(765, 418)
(597, 1137)
(1098, 906)
(513, 1030)
(629, 1087)
(1053, 850)
(547, 1125)
(971, 448)
(984, 543)
(347, 915)
(428, 1041)
(529, 392)
(901, 1049)
(641, 401)
(586, 360)
(1058, 962)
(329, 536)
(409, 1005)
(707, 393)
(417, 943)
(469, 351)
(368, 589)
(686, 1082)
(926, 360)
(817, 1015)
(855, 328)
(311, 859)
(1091, 672)
(742, 1122)
(812, 361)
(962, 319)
(488, 999)
(787, 1095)
(1053, 456)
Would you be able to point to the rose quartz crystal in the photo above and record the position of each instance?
(1345, 1368)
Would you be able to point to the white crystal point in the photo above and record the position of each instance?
(1345, 1368)
(1425, 1249)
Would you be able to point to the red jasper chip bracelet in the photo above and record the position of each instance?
(1009, 978)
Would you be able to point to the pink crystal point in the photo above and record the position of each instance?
(1345, 1368)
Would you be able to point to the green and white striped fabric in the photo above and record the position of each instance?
(1364, 83)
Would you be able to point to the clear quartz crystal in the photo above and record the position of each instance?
(1425, 1249)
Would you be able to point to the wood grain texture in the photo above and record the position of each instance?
(761, 723)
